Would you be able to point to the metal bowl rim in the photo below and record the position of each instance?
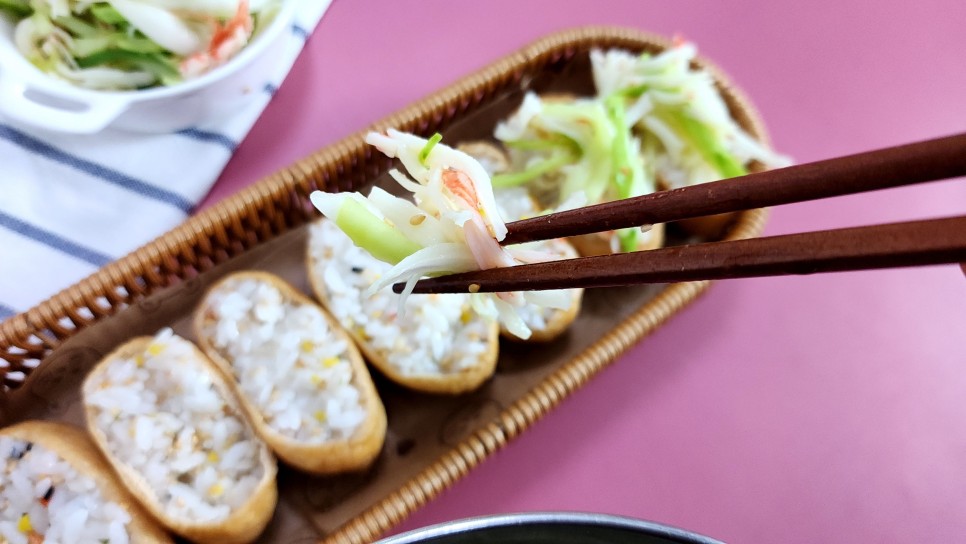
(480, 523)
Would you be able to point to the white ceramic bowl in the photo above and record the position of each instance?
(36, 99)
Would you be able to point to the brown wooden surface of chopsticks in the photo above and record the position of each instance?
(908, 164)
(915, 243)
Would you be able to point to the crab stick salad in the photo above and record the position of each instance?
(517, 203)
(133, 44)
(655, 122)
(452, 225)
(574, 151)
(686, 131)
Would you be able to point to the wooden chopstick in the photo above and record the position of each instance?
(907, 164)
(916, 243)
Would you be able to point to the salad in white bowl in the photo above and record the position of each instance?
(79, 66)
(133, 44)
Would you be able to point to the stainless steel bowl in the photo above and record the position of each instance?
(550, 528)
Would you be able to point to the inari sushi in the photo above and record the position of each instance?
(439, 346)
(685, 130)
(571, 151)
(56, 487)
(546, 322)
(301, 379)
(169, 424)
(516, 203)
(451, 224)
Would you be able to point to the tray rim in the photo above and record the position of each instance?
(29, 337)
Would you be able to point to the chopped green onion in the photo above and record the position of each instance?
(371, 233)
(424, 152)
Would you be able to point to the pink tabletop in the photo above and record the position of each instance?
(802, 409)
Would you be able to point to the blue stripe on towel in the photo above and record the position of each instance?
(6, 311)
(270, 89)
(300, 31)
(44, 149)
(52, 240)
(208, 136)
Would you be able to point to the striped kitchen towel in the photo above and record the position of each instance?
(71, 204)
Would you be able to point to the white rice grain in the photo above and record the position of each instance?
(292, 366)
(163, 417)
(438, 334)
(41, 495)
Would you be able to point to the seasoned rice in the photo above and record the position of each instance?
(286, 359)
(438, 334)
(164, 417)
(43, 496)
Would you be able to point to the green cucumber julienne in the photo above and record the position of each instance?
(371, 233)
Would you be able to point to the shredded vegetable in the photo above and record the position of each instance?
(133, 44)
(452, 225)
(679, 114)
(583, 146)
(655, 119)
(425, 151)
(569, 141)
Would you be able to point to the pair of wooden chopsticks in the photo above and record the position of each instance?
(915, 243)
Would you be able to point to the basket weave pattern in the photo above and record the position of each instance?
(280, 203)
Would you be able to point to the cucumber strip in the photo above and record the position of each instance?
(622, 171)
(513, 179)
(137, 44)
(18, 9)
(710, 148)
(163, 68)
(371, 233)
(107, 14)
(628, 239)
(78, 27)
(551, 142)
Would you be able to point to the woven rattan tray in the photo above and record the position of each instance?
(432, 441)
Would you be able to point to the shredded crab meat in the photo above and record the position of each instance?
(407, 147)
(226, 41)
